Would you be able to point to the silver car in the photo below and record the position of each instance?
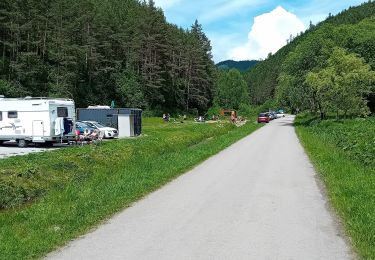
(109, 132)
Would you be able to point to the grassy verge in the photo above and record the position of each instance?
(343, 153)
(56, 196)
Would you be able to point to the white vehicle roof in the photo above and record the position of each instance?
(2, 98)
(102, 107)
(35, 103)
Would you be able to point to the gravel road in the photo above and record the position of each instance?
(9, 149)
(258, 199)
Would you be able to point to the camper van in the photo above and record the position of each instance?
(37, 120)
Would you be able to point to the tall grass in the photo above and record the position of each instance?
(343, 153)
(61, 194)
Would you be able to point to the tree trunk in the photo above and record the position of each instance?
(322, 115)
(44, 41)
(3, 55)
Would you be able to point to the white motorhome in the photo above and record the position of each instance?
(36, 120)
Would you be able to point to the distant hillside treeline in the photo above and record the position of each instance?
(243, 65)
(96, 51)
(284, 74)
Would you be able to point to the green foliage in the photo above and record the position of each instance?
(343, 154)
(82, 186)
(282, 75)
(320, 76)
(355, 137)
(353, 15)
(130, 90)
(10, 89)
(246, 110)
(266, 106)
(262, 80)
(342, 85)
(231, 90)
(97, 51)
(214, 110)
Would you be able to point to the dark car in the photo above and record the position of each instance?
(263, 118)
(81, 126)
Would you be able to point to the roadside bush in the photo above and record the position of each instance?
(10, 195)
(247, 110)
(213, 111)
(20, 187)
(355, 137)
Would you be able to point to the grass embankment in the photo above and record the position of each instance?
(53, 197)
(344, 154)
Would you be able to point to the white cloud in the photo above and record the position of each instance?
(165, 4)
(221, 43)
(268, 34)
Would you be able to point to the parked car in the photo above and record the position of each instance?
(81, 126)
(109, 132)
(279, 114)
(263, 118)
(272, 115)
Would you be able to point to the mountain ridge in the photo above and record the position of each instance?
(242, 65)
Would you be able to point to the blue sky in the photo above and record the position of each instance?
(250, 29)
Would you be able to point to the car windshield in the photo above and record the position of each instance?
(97, 125)
(90, 124)
(262, 115)
(80, 124)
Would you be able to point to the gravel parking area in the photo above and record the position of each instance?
(9, 149)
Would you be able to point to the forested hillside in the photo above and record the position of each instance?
(96, 51)
(307, 73)
(243, 65)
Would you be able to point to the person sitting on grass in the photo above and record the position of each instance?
(233, 117)
(86, 135)
(95, 134)
(166, 117)
(78, 135)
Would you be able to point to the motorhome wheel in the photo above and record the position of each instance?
(48, 144)
(22, 143)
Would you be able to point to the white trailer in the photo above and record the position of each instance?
(37, 120)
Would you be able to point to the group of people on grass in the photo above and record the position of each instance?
(233, 118)
(87, 136)
(166, 117)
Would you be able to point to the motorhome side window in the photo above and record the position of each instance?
(12, 114)
(1, 116)
(62, 112)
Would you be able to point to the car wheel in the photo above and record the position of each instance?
(22, 143)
